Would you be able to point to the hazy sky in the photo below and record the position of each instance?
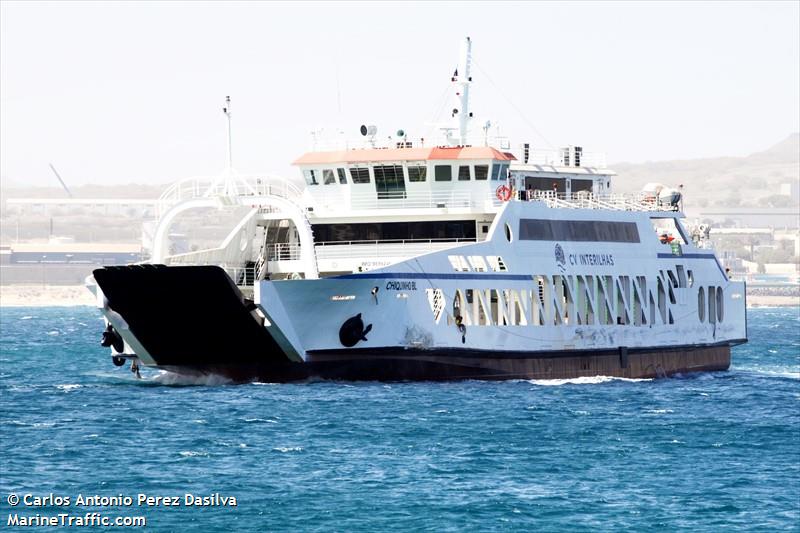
(132, 92)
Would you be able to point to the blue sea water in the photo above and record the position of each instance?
(707, 452)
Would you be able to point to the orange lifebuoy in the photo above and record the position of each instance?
(503, 193)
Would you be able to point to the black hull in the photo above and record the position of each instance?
(404, 365)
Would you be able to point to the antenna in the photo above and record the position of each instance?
(63, 185)
(227, 111)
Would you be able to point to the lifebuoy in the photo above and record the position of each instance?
(503, 193)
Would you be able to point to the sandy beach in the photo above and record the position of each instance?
(71, 295)
(45, 296)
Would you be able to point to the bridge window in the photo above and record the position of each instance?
(443, 173)
(499, 171)
(311, 177)
(481, 172)
(327, 177)
(389, 181)
(577, 230)
(417, 173)
(342, 176)
(463, 173)
(359, 174)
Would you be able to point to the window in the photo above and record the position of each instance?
(327, 177)
(496, 262)
(712, 305)
(481, 172)
(577, 230)
(463, 173)
(311, 177)
(459, 263)
(579, 185)
(359, 174)
(342, 176)
(389, 181)
(477, 262)
(417, 173)
(499, 171)
(443, 173)
(443, 230)
(701, 304)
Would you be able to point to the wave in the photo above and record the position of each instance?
(585, 380)
(777, 373)
(260, 420)
(189, 453)
(284, 449)
(208, 380)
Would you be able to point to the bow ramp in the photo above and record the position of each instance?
(192, 316)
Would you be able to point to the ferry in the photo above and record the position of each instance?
(449, 258)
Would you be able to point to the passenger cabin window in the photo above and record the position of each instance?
(463, 173)
(359, 174)
(417, 173)
(389, 182)
(481, 172)
(328, 177)
(342, 176)
(311, 177)
(577, 230)
(579, 185)
(443, 173)
(441, 230)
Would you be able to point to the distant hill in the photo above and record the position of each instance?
(753, 180)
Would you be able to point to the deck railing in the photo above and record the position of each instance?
(238, 185)
(587, 200)
(352, 249)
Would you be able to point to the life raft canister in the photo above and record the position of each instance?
(503, 193)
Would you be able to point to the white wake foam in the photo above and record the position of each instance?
(585, 380)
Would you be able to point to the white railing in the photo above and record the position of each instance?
(555, 158)
(358, 249)
(383, 143)
(238, 185)
(585, 200)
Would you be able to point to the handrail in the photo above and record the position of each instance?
(586, 200)
(239, 185)
(376, 248)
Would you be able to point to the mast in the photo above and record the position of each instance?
(227, 111)
(462, 78)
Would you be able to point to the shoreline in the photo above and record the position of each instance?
(45, 296)
(78, 295)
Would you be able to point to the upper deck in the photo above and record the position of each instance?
(472, 179)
